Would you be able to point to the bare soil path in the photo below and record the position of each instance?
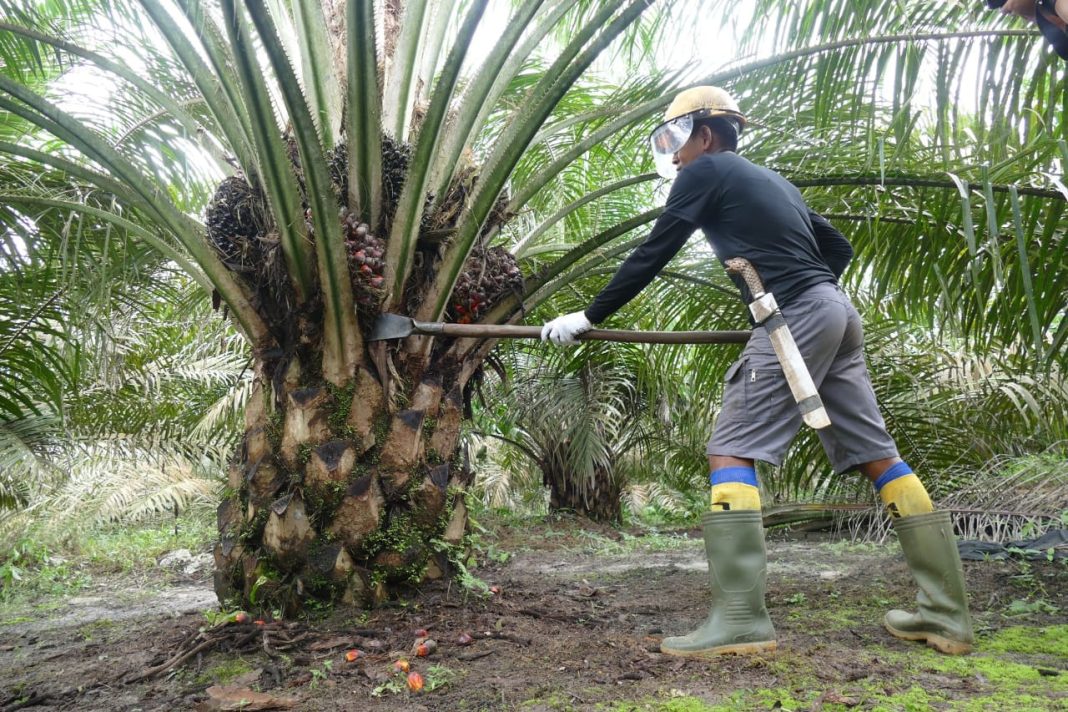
(574, 625)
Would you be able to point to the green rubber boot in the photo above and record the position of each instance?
(942, 618)
(737, 563)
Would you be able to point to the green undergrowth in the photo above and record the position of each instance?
(834, 610)
(1004, 673)
(34, 569)
(123, 549)
(571, 533)
(677, 704)
(644, 542)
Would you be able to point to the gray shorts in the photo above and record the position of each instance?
(759, 418)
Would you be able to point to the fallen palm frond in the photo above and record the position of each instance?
(1012, 497)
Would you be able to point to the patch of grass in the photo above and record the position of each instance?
(15, 620)
(123, 549)
(652, 541)
(556, 701)
(48, 606)
(1021, 608)
(913, 699)
(34, 571)
(783, 698)
(990, 679)
(96, 628)
(438, 676)
(994, 680)
(680, 703)
(1009, 700)
(861, 547)
(833, 611)
(223, 671)
(1003, 674)
(1045, 640)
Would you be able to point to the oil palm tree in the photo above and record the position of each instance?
(349, 187)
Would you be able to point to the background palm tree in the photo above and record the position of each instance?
(582, 424)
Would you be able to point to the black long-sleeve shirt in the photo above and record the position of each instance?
(745, 211)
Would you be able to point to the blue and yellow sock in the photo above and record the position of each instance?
(734, 488)
(902, 492)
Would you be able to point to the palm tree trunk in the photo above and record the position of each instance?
(336, 493)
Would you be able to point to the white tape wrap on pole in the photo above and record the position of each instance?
(765, 311)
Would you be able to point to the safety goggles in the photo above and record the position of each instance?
(666, 140)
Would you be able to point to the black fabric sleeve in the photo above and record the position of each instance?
(667, 238)
(833, 245)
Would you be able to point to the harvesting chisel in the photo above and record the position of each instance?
(395, 326)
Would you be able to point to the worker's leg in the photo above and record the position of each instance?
(857, 439)
(941, 618)
(738, 621)
(734, 484)
(898, 487)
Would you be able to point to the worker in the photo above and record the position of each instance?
(1051, 17)
(752, 212)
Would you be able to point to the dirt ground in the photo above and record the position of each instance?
(573, 625)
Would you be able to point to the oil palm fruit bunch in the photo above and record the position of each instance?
(365, 254)
(489, 275)
(396, 155)
(233, 224)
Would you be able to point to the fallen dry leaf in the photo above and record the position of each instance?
(233, 697)
(331, 643)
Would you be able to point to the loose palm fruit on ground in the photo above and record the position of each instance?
(352, 655)
(415, 681)
(464, 639)
(241, 617)
(401, 665)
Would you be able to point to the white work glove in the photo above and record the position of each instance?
(564, 329)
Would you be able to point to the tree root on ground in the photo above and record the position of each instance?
(272, 638)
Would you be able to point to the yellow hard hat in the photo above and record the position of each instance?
(689, 106)
(705, 102)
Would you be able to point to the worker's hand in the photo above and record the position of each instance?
(564, 329)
